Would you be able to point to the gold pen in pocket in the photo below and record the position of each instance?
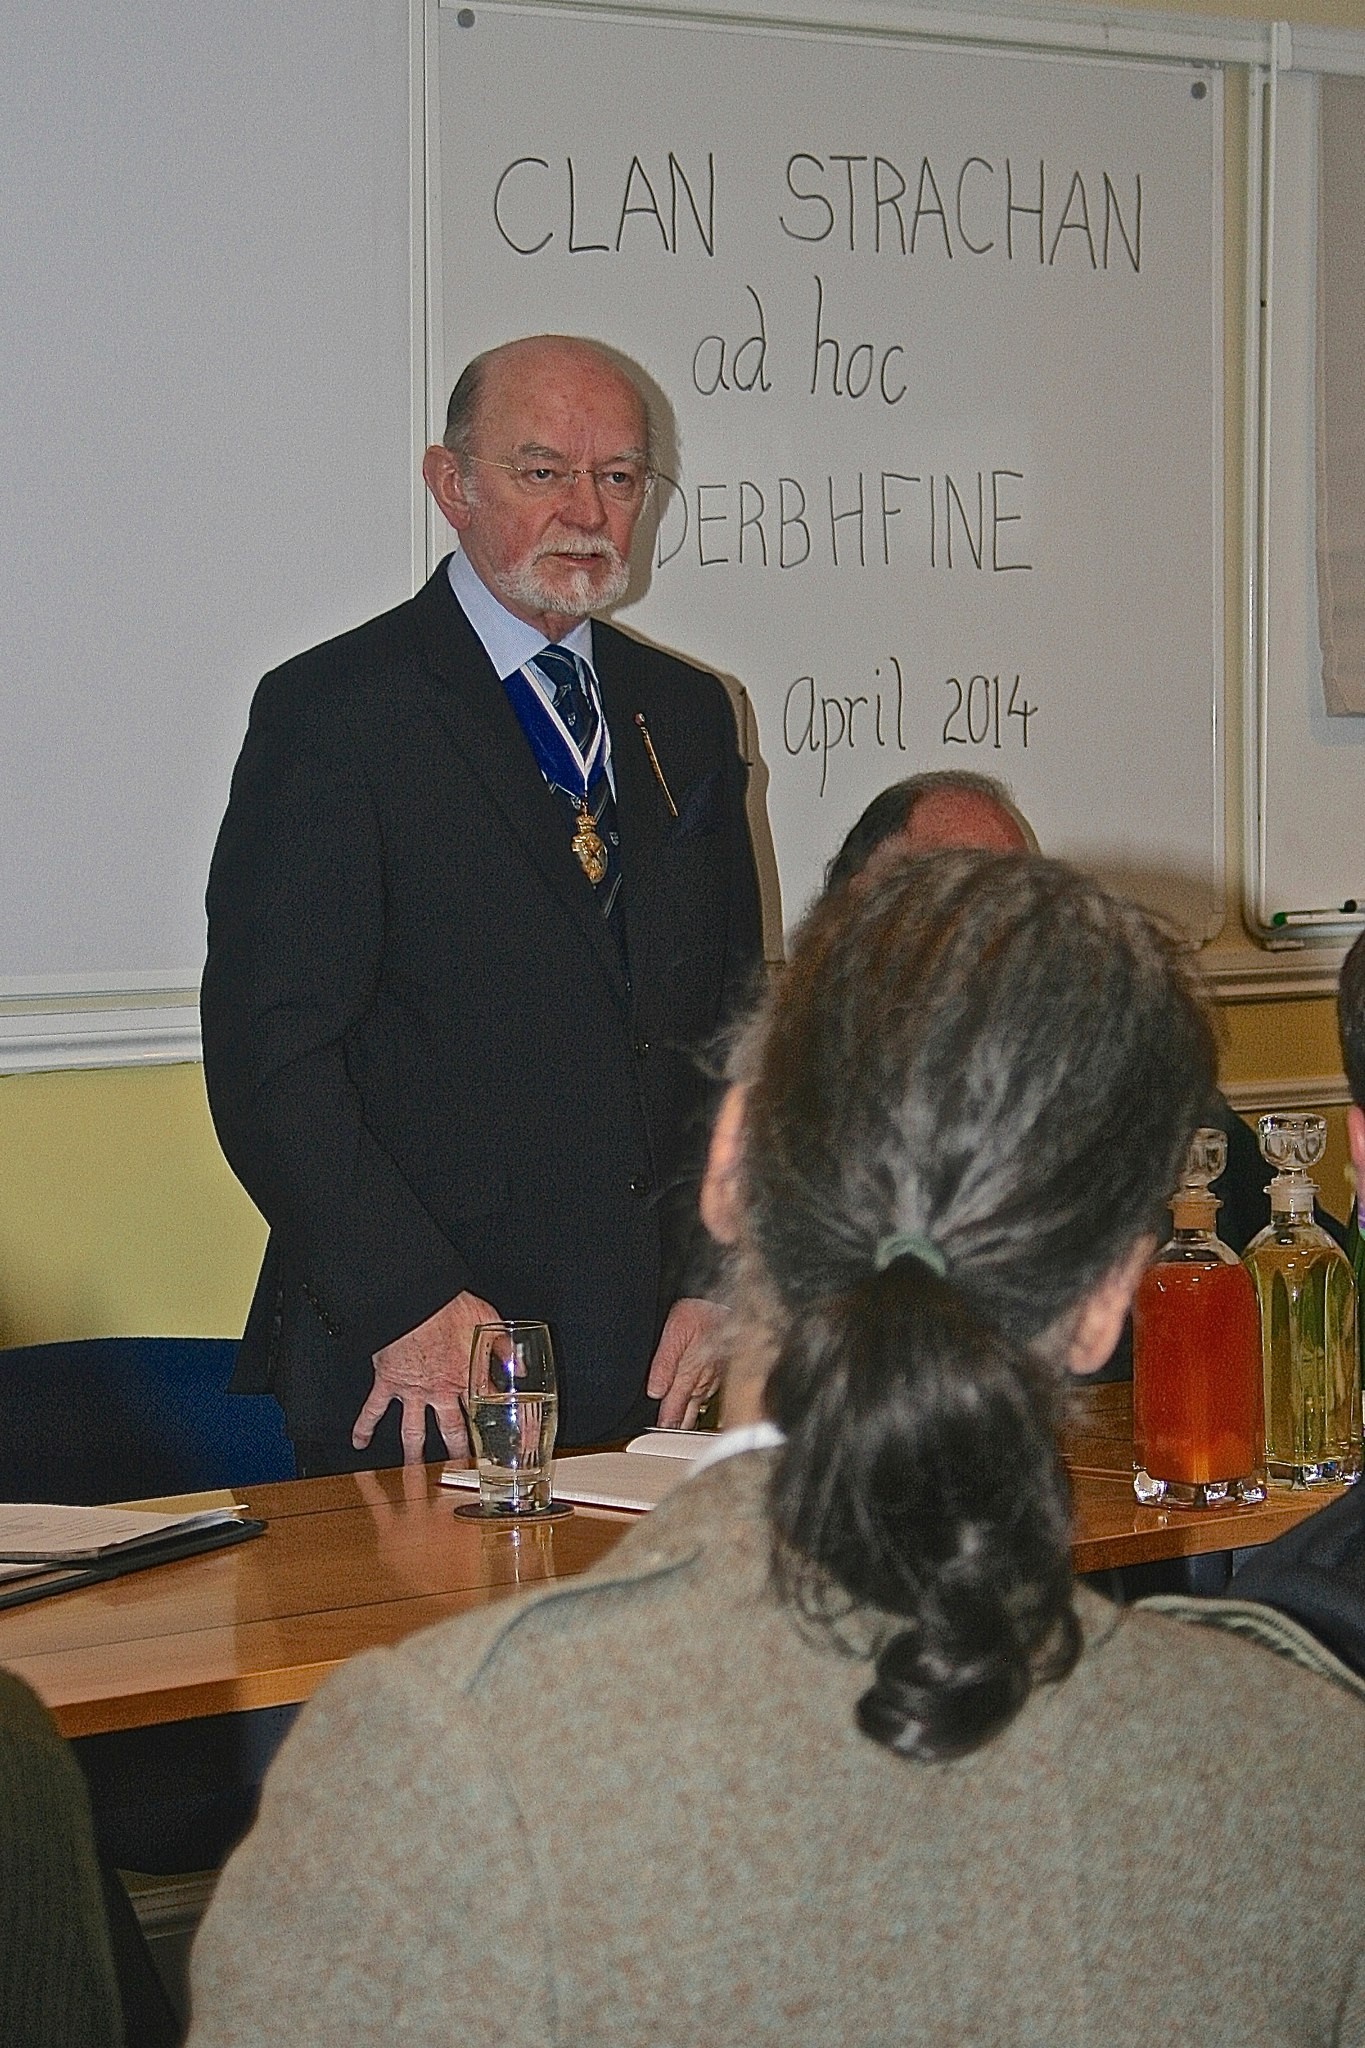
(654, 762)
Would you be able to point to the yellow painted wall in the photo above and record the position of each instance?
(118, 1214)
(1265, 1042)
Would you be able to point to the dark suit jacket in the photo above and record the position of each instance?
(423, 1056)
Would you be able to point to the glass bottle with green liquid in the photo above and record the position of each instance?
(1307, 1297)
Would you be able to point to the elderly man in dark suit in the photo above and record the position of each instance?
(483, 889)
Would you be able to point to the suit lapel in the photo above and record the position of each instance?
(484, 728)
(639, 801)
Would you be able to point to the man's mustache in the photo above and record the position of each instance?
(582, 550)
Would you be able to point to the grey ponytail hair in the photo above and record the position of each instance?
(992, 1056)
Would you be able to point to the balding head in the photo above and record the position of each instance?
(942, 808)
(535, 362)
(959, 817)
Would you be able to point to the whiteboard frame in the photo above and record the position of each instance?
(1326, 52)
(1082, 31)
(60, 1026)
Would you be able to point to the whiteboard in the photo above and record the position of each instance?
(938, 331)
(225, 343)
(206, 433)
(1306, 775)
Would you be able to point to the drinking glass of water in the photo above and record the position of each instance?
(512, 1409)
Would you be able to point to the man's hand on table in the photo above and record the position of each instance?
(428, 1368)
(685, 1370)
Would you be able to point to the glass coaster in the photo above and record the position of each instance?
(474, 1511)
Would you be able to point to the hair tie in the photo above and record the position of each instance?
(904, 1244)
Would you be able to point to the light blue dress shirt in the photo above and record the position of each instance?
(508, 641)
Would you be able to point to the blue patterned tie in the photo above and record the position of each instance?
(561, 669)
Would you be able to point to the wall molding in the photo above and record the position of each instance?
(1308, 1091)
(100, 1032)
(137, 1027)
(1271, 974)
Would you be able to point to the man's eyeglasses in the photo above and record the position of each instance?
(621, 483)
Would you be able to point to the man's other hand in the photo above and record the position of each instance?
(685, 1370)
(428, 1368)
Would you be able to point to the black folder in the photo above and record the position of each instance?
(133, 1557)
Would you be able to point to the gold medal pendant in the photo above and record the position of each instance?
(588, 847)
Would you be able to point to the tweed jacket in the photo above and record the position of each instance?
(634, 1811)
(57, 1984)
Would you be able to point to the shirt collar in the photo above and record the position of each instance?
(749, 1436)
(507, 641)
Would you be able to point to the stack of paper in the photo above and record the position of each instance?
(35, 1537)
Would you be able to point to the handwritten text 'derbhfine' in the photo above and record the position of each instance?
(889, 518)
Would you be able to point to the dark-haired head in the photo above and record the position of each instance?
(1351, 1023)
(954, 1127)
(1351, 1019)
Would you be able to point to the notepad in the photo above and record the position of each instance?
(672, 1443)
(35, 1536)
(639, 1477)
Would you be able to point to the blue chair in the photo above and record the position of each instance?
(127, 1418)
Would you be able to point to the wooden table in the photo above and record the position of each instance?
(1110, 1529)
(355, 1561)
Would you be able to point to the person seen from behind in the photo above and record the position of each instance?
(831, 1749)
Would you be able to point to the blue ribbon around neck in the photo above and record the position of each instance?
(557, 755)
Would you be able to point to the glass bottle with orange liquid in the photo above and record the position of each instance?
(1307, 1297)
(1198, 1419)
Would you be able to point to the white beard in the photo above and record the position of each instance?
(576, 596)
